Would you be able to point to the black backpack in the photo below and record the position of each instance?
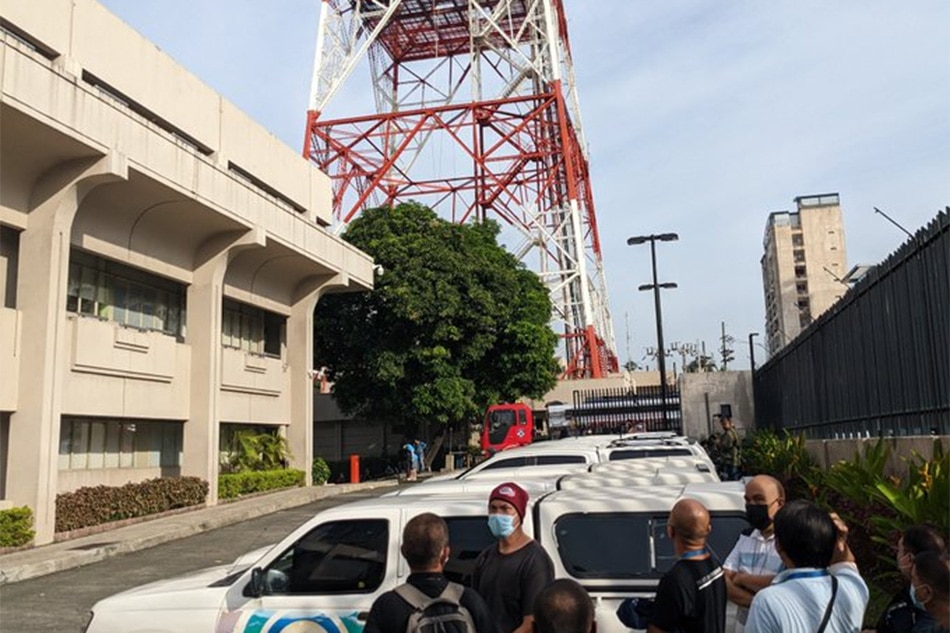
(442, 614)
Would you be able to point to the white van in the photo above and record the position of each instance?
(631, 478)
(326, 574)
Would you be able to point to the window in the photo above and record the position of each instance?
(801, 287)
(798, 240)
(512, 462)
(9, 264)
(115, 292)
(799, 255)
(641, 453)
(252, 329)
(498, 424)
(93, 444)
(551, 460)
(800, 272)
(649, 553)
(335, 557)
(468, 536)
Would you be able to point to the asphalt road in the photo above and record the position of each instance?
(60, 602)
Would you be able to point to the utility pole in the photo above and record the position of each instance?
(725, 350)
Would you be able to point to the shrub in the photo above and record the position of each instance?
(320, 471)
(784, 457)
(16, 527)
(233, 485)
(102, 504)
(257, 451)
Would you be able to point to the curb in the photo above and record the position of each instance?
(56, 557)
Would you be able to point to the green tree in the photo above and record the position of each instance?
(454, 323)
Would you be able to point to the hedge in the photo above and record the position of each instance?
(233, 485)
(16, 527)
(103, 504)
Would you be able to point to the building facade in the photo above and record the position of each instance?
(803, 264)
(160, 258)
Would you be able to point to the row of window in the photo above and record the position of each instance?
(133, 298)
(89, 444)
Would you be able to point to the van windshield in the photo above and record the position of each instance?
(642, 549)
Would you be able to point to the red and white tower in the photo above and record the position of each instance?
(476, 116)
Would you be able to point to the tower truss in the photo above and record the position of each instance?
(476, 116)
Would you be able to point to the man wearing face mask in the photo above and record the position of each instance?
(930, 590)
(901, 614)
(753, 562)
(510, 574)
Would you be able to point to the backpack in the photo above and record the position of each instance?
(442, 614)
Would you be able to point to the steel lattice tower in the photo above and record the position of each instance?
(476, 116)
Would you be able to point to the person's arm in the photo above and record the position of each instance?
(753, 582)
(538, 574)
(842, 553)
(737, 594)
(654, 629)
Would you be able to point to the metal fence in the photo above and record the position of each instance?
(878, 362)
(624, 410)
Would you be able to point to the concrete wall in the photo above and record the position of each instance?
(829, 452)
(716, 388)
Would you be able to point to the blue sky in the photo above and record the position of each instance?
(701, 117)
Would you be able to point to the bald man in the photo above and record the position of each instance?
(691, 596)
(753, 562)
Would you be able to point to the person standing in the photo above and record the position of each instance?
(511, 573)
(691, 596)
(421, 455)
(820, 589)
(930, 590)
(730, 449)
(410, 450)
(753, 562)
(901, 614)
(425, 546)
(563, 607)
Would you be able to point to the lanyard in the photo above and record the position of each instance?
(815, 573)
(696, 553)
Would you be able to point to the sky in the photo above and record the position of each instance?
(701, 118)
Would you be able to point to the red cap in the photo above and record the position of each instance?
(511, 493)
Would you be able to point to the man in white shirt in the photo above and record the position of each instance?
(821, 589)
(753, 562)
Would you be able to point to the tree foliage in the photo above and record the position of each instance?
(454, 322)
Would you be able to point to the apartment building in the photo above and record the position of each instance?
(803, 264)
(161, 255)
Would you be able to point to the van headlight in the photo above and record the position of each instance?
(85, 627)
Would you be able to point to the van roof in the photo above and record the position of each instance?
(718, 496)
(534, 487)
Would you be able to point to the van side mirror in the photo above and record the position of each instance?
(255, 587)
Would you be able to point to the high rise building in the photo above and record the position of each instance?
(802, 266)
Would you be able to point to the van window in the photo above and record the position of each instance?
(642, 453)
(642, 549)
(548, 460)
(468, 536)
(511, 462)
(334, 557)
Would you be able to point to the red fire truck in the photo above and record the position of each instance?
(507, 426)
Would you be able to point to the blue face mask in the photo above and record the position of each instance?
(913, 598)
(501, 525)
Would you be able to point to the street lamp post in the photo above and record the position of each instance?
(655, 287)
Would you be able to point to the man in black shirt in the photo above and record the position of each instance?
(425, 546)
(691, 596)
(901, 614)
(509, 575)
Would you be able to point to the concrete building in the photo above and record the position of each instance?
(160, 259)
(802, 266)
